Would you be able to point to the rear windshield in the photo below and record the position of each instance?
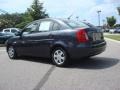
(90, 25)
(74, 24)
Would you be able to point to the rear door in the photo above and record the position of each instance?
(44, 41)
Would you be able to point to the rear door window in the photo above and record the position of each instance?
(45, 26)
(74, 24)
(55, 26)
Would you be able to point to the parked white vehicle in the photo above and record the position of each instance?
(11, 30)
(112, 31)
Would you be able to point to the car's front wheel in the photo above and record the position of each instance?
(59, 57)
(11, 52)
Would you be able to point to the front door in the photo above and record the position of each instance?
(43, 40)
(36, 40)
(27, 41)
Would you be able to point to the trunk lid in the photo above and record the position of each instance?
(95, 35)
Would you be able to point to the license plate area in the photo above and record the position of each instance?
(97, 36)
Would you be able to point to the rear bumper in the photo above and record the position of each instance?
(79, 52)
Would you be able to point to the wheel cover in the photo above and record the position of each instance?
(11, 52)
(59, 57)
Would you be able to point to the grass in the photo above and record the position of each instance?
(115, 37)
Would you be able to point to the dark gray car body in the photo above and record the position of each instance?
(41, 44)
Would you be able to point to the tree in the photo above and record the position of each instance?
(11, 19)
(36, 10)
(5, 23)
(111, 21)
(18, 20)
(26, 18)
(117, 25)
(118, 8)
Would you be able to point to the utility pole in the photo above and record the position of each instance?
(104, 25)
(103, 21)
(99, 11)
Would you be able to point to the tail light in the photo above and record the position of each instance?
(82, 36)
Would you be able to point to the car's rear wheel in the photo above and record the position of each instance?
(11, 52)
(59, 57)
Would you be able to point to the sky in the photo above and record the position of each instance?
(84, 9)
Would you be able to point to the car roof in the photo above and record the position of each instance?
(53, 19)
(45, 19)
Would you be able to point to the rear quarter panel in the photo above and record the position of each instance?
(65, 38)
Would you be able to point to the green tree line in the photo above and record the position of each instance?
(111, 21)
(34, 12)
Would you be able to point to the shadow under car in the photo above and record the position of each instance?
(94, 63)
(90, 63)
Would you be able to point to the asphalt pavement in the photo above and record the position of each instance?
(101, 72)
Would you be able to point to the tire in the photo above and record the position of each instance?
(11, 52)
(59, 57)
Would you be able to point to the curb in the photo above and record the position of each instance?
(112, 40)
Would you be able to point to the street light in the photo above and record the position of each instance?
(99, 11)
(103, 21)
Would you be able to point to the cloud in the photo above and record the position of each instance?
(112, 1)
(108, 8)
(85, 9)
(15, 5)
(64, 8)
